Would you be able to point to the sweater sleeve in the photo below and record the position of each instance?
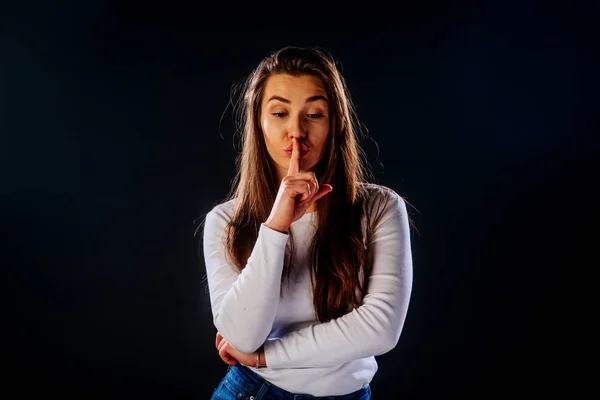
(244, 305)
(374, 327)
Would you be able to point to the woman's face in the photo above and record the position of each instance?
(294, 106)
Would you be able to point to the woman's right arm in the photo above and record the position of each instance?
(243, 304)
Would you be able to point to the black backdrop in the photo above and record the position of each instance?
(116, 135)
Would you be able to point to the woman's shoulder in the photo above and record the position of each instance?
(219, 215)
(376, 192)
(216, 219)
(381, 200)
(223, 210)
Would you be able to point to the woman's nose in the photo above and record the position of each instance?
(297, 128)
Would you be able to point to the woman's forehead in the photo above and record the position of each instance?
(294, 88)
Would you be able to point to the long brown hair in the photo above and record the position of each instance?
(338, 249)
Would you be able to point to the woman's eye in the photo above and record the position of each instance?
(311, 116)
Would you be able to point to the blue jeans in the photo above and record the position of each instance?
(241, 383)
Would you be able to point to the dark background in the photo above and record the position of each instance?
(116, 136)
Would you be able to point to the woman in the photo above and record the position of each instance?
(309, 266)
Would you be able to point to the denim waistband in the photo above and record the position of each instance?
(245, 377)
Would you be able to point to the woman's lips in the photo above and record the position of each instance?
(303, 150)
(303, 147)
(302, 153)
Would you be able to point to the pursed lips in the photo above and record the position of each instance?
(303, 148)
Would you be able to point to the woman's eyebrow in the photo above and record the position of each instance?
(309, 100)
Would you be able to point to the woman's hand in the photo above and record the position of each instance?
(232, 356)
(298, 191)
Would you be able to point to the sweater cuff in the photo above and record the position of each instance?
(270, 348)
(272, 234)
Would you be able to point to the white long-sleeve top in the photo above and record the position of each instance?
(304, 355)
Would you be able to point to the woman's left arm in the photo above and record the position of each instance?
(373, 328)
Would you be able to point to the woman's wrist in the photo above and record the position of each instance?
(281, 229)
(261, 357)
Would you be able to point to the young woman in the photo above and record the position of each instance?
(309, 265)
